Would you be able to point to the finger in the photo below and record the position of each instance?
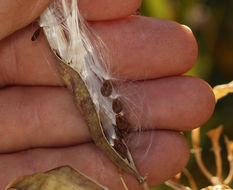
(178, 103)
(145, 48)
(45, 117)
(17, 14)
(140, 48)
(171, 147)
(108, 9)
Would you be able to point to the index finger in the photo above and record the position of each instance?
(17, 14)
(139, 48)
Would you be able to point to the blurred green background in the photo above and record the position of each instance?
(211, 23)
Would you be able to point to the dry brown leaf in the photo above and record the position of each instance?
(62, 178)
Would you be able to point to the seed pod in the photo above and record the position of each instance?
(106, 89)
(117, 106)
(87, 109)
(36, 34)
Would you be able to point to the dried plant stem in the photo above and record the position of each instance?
(202, 167)
(218, 159)
(124, 184)
(214, 136)
(198, 155)
(145, 186)
(122, 180)
(176, 186)
(190, 179)
(229, 145)
(230, 175)
(222, 90)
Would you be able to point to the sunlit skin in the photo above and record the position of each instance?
(40, 127)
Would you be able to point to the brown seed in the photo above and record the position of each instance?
(121, 133)
(120, 147)
(121, 122)
(106, 89)
(118, 132)
(117, 106)
(36, 34)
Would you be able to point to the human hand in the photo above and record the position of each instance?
(40, 127)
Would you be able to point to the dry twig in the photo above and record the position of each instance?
(198, 155)
(214, 136)
(176, 185)
(190, 178)
(229, 145)
(222, 90)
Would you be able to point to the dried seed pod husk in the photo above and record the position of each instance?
(62, 178)
(79, 59)
(86, 107)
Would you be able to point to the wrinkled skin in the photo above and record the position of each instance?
(40, 127)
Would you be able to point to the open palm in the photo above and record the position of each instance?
(40, 127)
